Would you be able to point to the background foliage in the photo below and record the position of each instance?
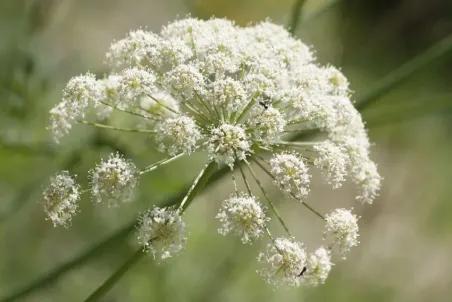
(406, 239)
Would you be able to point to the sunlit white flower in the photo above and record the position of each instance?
(60, 198)
(318, 266)
(178, 134)
(341, 231)
(113, 180)
(284, 260)
(228, 143)
(333, 161)
(243, 216)
(162, 232)
(290, 174)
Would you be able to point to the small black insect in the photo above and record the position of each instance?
(303, 271)
(263, 105)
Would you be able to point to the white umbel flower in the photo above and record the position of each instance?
(133, 48)
(368, 181)
(113, 180)
(267, 123)
(162, 232)
(81, 93)
(60, 198)
(333, 161)
(290, 174)
(135, 83)
(178, 134)
(228, 143)
(285, 259)
(341, 231)
(318, 266)
(243, 216)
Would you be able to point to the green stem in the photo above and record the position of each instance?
(116, 128)
(199, 184)
(400, 74)
(160, 163)
(295, 15)
(270, 203)
(111, 281)
(129, 112)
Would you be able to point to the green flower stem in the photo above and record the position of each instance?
(111, 281)
(270, 203)
(198, 185)
(129, 112)
(115, 128)
(295, 16)
(161, 163)
(403, 72)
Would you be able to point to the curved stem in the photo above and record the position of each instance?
(111, 281)
(103, 126)
(129, 112)
(270, 203)
(295, 15)
(400, 74)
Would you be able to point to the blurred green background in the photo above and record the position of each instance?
(406, 236)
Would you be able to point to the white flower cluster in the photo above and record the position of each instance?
(286, 260)
(341, 230)
(113, 180)
(60, 198)
(162, 231)
(237, 94)
(244, 216)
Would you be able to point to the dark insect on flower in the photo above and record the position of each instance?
(264, 105)
(302, 271)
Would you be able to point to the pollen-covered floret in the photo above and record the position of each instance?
(133, 84)
(133, 48)
(333, 160)
(228, 143)
(318, 266)
(290, 174)
(178, 134)
(113, 180)
(267, 123)
(285, 260)
(162, 232)
(81, 93)
(341, 231)
(243, 216)
(60, 198)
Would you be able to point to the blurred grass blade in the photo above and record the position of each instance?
(295, 15)
(397, 76)
(53, 275)
(111, 281)
(406, 111)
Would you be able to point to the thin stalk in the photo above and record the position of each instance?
(129, 112)
(395, 77)
(234, 183)
(295, 16)
(163, 105)
(103, 126)
(161, 163)
(197, 185)
(248, 188)
(111, 281)
(270, 203)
